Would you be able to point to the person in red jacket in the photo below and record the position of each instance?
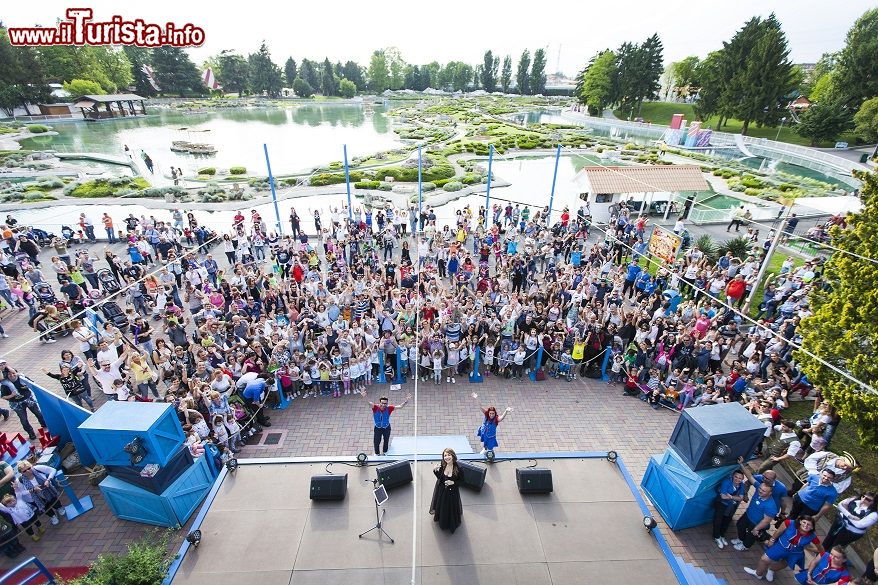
(735, 290)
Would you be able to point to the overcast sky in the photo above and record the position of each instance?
(463, 30)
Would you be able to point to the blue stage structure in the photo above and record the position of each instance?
(683, 497)
(63, 419)
(117, 424)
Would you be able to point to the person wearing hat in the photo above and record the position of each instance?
(20, 398)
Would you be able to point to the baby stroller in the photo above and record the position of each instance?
(68, 234)
(249, 426)
(46, 296)
(113, 313)
(108, 282)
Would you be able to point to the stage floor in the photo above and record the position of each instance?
(263, 528)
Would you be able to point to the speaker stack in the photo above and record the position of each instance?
(329, 487)
(703, 450)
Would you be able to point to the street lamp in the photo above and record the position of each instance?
(782, 120)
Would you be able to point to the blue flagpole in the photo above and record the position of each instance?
(347, 180)
(488, 193)
(419, 186)
(280, 225)
(554, 179)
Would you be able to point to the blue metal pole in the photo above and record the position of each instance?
(488, 193)
(419, 186)
(347, 180)
(475, 376)
(554, 179)
(280, 226)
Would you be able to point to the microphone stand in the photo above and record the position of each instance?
(379, 517)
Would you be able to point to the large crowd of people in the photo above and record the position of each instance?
(225, 322)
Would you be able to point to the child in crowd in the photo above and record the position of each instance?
(22, 513)
(437, 367)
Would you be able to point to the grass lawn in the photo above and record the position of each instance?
(846, 439)
(661, 112)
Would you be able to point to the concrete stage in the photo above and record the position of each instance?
(261, 527)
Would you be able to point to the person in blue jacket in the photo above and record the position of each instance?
(729, 496)
(488, 430)
(632, 271)
(829, 568)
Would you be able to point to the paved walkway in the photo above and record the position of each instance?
(553, 415)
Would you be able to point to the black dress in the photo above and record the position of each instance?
(445, 506)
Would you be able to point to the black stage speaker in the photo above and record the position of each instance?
(395, 474)
(533, 480)
(715, 436)
(472, 475)
(329, 487)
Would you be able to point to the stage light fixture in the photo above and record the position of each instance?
(649, 522)
(720, 453)
(136, 449)
(362, 458)
(612, 456)
(490, 455)
(232, 465)
(194, 538)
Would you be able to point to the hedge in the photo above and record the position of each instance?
(334, 178)
(367, 184)
(37, 128)
(207, 171)
(107, 187)
(453, 186)
(238, 171)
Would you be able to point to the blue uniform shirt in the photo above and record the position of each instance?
(633, 271)
(382, 417)
(778, 492)
(253, 390)
(727, 487)
(760, 508)
(815, 495)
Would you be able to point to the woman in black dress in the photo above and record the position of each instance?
(446, 507)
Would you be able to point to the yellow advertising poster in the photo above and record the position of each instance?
(664, 244)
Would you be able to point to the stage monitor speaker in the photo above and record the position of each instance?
(395, 474)
(329, 487)
(715, 435)
(472, 475)
(533, 480)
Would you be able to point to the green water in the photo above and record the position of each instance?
(297, 138)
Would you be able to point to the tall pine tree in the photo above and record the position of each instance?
(290, 71)
(489, 72)
(522, 75)
(537, 78)
(174, 72)
(506, 74)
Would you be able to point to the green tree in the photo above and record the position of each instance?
(233, 72)
(683, 71)
(822, 88)
(290, 71)
(489, 72)
(347, 88)
(628, 68)
(506, 74)
(115, 65)
(174, 72)
(596, 89)
(707, 76)
(825, 120)
(858, 61)
(263, 73)
(328, 82)
(522, 79)
(766, 81)
(866, 120)
(138, 57)
(308, 72)
(22, 79)
(430, 74)
(843, 331)
(302, 88)
(354, 73)
(396, 66)
(537, 77)
(81, 87)
(651, 65)
(379, 73)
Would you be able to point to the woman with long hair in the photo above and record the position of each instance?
(445, 506)
(488, 430)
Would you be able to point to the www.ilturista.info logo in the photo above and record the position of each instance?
(79, 29)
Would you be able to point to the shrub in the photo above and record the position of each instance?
(453, 186)
(428, 186)
(106, 187)
(238, 171)
(37, 128)
(147, 561)
(471, 179)
(752, 192)
(751, 181)
(717, 172)
(630, 146)
(207, 171)
(382, 186)
(599, 149)
(739, 247)
(367, 184)
(707, 245)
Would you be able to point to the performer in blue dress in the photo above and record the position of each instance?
(828, 568)
(786, 547)
(488, 430)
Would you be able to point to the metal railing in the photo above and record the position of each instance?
(11, 576)
(824, 162)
